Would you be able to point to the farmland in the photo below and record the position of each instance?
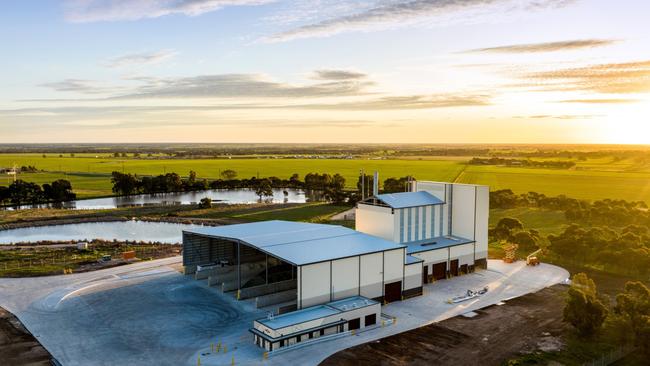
(596, 178)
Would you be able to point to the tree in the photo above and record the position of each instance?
(228, 174)
(633, 306)
(59, 191)
(583, 309)
(4, 194)
(264, 188)
(294, 180)
(393, 185)
(21, 192)
(192, 177)
(205, 202)
(124, 184)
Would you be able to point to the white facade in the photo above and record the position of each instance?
(365, 275)
(456, 225)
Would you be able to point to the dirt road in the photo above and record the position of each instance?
(17, 346)
(497, 333)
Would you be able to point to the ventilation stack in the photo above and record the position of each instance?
(375, 184)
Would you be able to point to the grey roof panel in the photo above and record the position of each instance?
(409, 199)
(411, 259)
(435, 243)
(301, 243)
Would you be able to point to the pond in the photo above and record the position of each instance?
(163, 232)
(231, 196)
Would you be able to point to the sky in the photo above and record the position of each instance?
(310, 71)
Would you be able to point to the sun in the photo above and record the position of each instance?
(629, 124)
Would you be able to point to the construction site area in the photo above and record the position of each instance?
(487, 337)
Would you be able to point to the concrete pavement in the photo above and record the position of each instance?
(148, 313)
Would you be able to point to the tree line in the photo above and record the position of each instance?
(627, 319)
(331, 186)
(27, 193)
(617, 213)
(553, 164)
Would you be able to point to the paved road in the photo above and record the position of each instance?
(147, 313)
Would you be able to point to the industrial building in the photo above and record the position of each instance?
(323, 279)
(443, 224)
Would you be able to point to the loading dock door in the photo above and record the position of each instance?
(440, 271)
(393, 291)
(463, 269)
(425, 274)
(453, 267)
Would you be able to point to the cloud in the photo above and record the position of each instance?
(600, 101)
(138, 59)
(79, 86)
(242, 85)
(388, 14)
(561, 116)
(82, 11)
(546, 46)
(337, 75)
(612, 78)
(409, 102)
(369, 104)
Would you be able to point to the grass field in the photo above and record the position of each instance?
(592, 179)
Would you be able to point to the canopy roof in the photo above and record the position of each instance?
(409, 199)
(300, 243)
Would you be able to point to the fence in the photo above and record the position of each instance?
(64, 259)
(611, 356)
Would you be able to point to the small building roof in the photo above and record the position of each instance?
(409, 199)
(316, 312)
(412, 260)
(300, 243)
(435, 243)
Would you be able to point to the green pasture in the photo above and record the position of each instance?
(591, 179)
(582, 184)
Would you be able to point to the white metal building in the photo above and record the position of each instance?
(324, 262)
(401, 241)
(353, 313)
(443, 224)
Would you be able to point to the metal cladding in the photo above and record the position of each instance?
(298, 243)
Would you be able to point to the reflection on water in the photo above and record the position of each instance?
(232, 196)
(163, 232)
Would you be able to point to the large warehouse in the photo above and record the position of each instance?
(401, 241)
(321, 263)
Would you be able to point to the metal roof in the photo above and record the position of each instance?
(316, 312)
(435, 243)
(411, 259)
(300, 243)
(409, 199)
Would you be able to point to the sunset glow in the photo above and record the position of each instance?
(551, 71)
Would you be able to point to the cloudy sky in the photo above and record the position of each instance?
(434, 71)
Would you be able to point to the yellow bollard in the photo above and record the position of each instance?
(211, 347)
(238, 294)
(265, 356)
(383, 323)
(232, 362)
(218, 346)
(198, 361)
(225, 349)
